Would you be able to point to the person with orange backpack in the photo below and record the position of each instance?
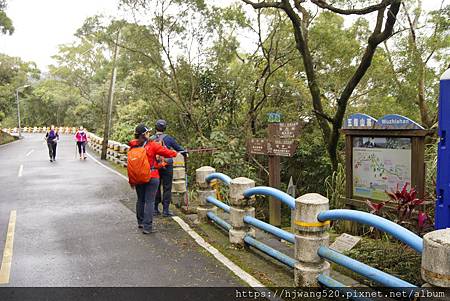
(143, 174)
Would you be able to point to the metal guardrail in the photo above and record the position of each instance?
(218, 203)
(399, 232)
(280, 233)
(218, 176)
(269, 191)
(380, 277)
(363, 269)
(345, 291)
(219, 221)
(283, 258)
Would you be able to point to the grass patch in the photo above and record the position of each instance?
(390, 257)
(6, 138)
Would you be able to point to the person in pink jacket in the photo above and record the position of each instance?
(81, 137)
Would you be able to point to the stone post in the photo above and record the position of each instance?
(179, 181)
(310, 234)
(240, 207)
(204, 191)
(436, 258)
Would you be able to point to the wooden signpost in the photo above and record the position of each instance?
(279, 143)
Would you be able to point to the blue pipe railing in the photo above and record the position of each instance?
(362, 269)
(399, 232)
(283, 258)
(218, 203)
(218, 176)
(219, 221)
(269, 191)
(287, 236)
(345, 291)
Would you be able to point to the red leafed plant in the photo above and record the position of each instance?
(375, 208)
(408, 211)
(406, 202)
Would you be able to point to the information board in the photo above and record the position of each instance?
(380, 164)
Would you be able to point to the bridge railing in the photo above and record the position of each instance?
(312, 216)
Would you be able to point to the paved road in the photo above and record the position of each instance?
(73, 230)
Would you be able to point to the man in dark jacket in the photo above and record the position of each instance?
(166, 172)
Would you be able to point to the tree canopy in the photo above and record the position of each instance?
(215, 72)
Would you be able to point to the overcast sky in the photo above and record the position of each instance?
(42, 25)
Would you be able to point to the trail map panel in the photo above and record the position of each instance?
(380, 164)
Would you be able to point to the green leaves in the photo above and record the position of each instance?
(6, 25)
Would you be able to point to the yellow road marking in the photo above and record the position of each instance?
(308, 224)
(8, 251)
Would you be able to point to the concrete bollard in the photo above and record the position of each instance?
(240, 207)
(310, 235)
(436, 258)
(204, 191)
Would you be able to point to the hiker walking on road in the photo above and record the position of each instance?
(81, 137)
(165, 168)
(143, 174)
(52, 138)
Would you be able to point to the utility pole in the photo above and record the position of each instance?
(18, 113)
(110, 101)
(18, 109)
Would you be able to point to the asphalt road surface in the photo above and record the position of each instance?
(72, 228)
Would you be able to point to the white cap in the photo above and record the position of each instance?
(446, 75)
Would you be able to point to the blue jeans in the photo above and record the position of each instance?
(146, 202)
(166, 176)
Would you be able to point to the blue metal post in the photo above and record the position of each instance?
(442, 211)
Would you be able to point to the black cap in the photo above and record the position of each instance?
(161, 125)
(141, 129)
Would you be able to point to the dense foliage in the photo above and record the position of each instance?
(214, 72)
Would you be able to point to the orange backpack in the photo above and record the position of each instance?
(138, 168)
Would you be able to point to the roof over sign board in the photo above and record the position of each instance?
(387, 122)
(397, 122)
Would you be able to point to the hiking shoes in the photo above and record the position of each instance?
(168, 214)
(149, 231)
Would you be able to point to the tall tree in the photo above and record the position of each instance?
(419, 55)
(6, 25)
(301, 18)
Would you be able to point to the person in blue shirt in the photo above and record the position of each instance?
(165, 172)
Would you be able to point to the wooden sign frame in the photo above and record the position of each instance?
(417, 158)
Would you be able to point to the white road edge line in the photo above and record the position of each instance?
(29, 153)
(20, 171)
(243, 275)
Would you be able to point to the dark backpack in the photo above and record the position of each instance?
(160, 160)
